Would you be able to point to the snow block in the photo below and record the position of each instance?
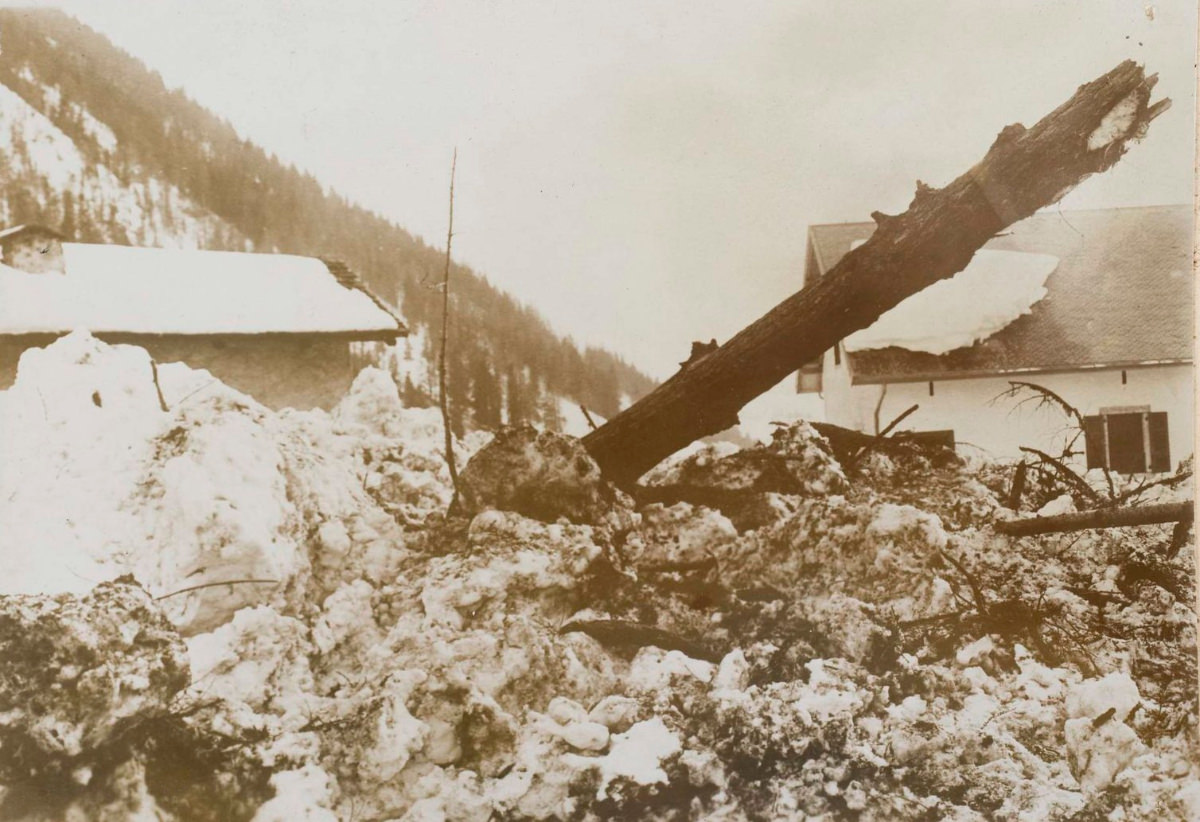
(541, 475)
(78, 671)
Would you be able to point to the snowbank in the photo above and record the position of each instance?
(873, 651)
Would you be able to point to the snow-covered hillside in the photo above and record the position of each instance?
(37, 157)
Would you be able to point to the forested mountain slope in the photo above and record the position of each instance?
(94, 143)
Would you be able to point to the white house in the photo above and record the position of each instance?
(289, 331)
(1096, 306)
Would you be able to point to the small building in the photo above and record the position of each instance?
(1096, 306)
(289, 331)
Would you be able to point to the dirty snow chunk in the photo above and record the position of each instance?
(398, 734)
(636, 755)
(653, 669)
(302, 794)
(993, 290)
(893, 520)
(976, 651)
(77, 670)
(1062, 504)
(259, 657)
(733, 674)
(617, 713)
(564, 711)
(585, 736)
(539, 474)
(796, 461)
(1099, 754)
(343, 615)
(1092, 697)
(1116, 124)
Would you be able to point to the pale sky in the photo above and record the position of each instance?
(643, 173)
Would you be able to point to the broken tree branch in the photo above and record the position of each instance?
(1061, 470)
(1099, 518)
(880, 437)
(623, 635)
(1024, 170)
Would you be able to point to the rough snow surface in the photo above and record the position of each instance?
(883, 654)
(637, 755)
(170, 291)
(993, 290)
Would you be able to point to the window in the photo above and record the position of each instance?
(809, 377)
(1128, 440)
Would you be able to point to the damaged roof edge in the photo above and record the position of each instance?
(947, 376)
(345, 275)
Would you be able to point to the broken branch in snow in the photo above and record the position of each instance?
(217, 585)
(1179, 538)
(880, 437)
(1017, 489)
(628, 636)
(1060, 469)
(1024, 170)
(1047, 398)
(162, 403)
(1099, 518)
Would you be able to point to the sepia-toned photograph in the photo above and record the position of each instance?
(528, 410)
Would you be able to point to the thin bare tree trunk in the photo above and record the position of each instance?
(442, 401)
(1099, 518)
(1024, 170)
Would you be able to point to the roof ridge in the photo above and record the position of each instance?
(1157, 206)
(348, 278)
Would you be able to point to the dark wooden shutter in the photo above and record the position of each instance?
(1093, 439)
(1126, 444)
(1160, 444)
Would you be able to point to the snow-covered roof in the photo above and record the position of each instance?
(994, 289)
(122, 289)
(1117, 291)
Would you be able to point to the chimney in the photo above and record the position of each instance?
(32, 248)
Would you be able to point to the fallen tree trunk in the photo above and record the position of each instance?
(1099, 518)
(1024, 170)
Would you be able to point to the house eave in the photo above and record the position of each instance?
(37, 338)
(944, 376)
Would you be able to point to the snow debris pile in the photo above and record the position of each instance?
(539, 474)
(80, 674)
(759, 635)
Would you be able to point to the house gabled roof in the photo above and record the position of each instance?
(1121, 295)
(127, 290)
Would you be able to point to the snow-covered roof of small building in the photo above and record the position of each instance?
(1057, 291)
(123, 289)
